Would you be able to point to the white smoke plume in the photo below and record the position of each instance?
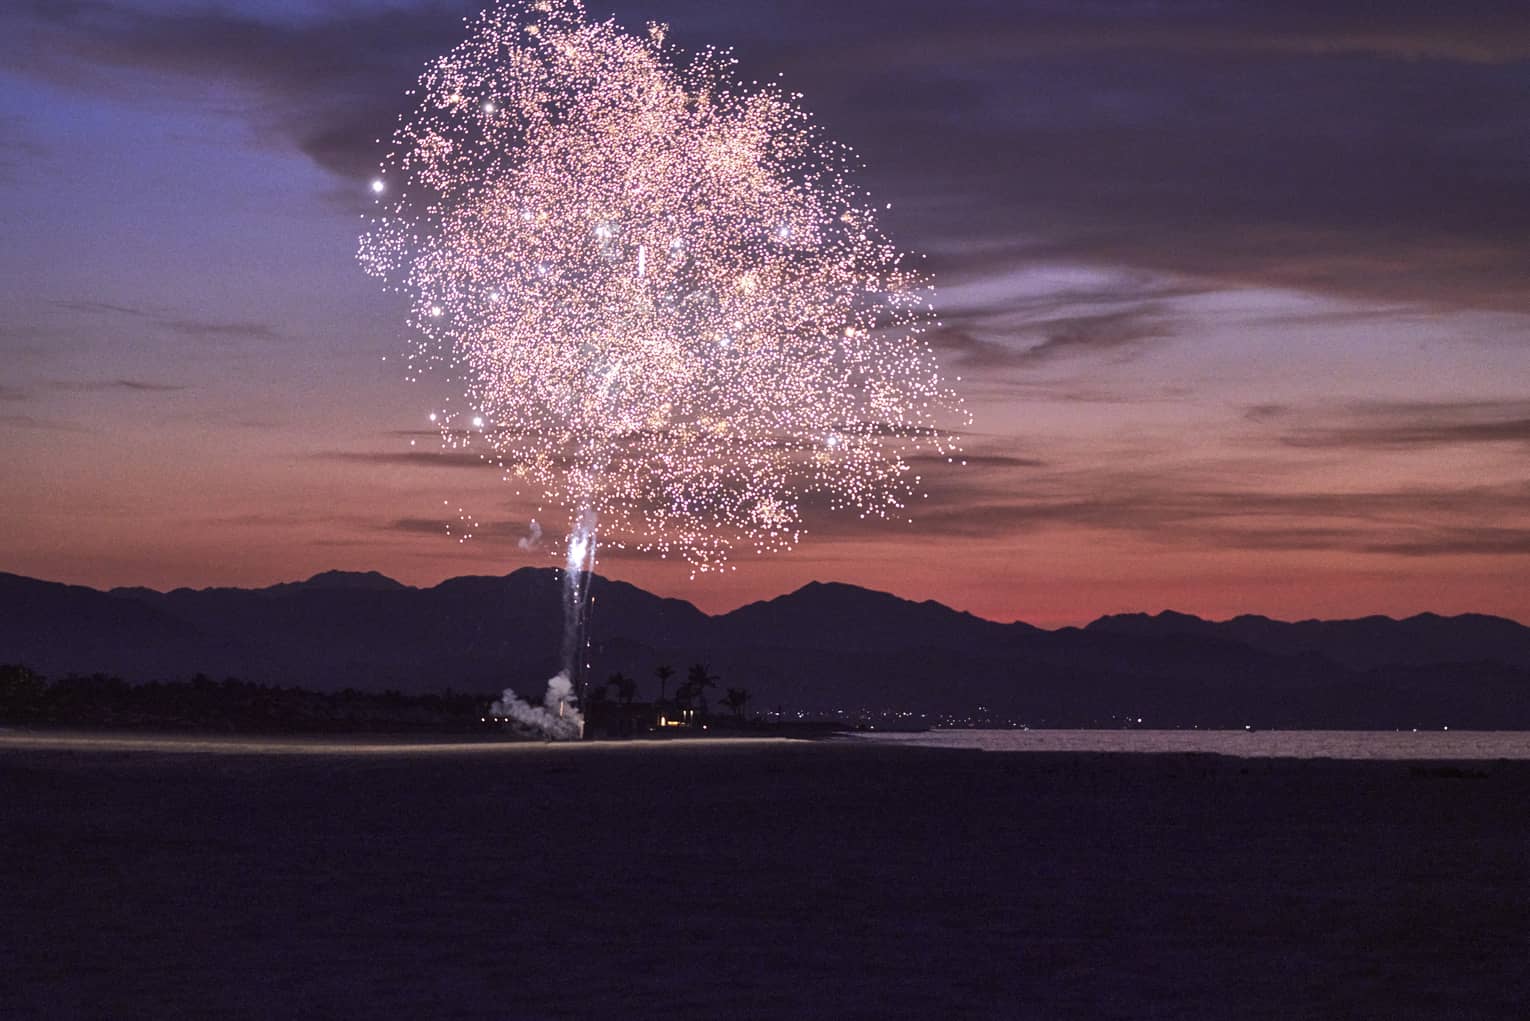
(557, 717)
(532, 542)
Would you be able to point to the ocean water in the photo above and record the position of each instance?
(1262, 744)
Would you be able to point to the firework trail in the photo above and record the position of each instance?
(666, 305)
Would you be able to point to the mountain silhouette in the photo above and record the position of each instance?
(1362, 643)
(824, 648)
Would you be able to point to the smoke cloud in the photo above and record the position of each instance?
(558, 716)
(533, 542)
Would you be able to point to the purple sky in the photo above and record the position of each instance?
(1238, 292)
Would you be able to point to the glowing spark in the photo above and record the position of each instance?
(696, 402)
(377, 186)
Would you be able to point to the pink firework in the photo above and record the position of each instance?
(668, 306)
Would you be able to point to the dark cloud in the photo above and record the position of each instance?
(337, 80)
(210, 330)
(1001, 498)
(187, 326)
(1402, 426)
(507, 535)
(1232, 505)
(109, 385)
(1112, 333)
(33, 422)
(419, 526)
(1266, 412)
(941, 462)
(1491, 542)
(432, 434)
(1031, 323)
(1127, 138)
(1329, 146)
(972, 353)
(413, 458)
(1409, 521)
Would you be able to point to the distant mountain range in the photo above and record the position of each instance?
(823, 648)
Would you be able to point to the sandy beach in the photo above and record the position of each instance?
(756, 880)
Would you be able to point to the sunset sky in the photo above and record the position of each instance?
(1239, 292)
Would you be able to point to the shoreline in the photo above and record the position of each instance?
(1234, 746)
(176, 742)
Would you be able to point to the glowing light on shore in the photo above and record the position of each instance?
(660, 286)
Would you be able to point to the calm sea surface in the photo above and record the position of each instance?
(1267, 744)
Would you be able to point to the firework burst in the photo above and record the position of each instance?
(665, 302)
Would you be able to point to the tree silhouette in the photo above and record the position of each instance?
(22, 692)
(697, 681)
(625, 687)
(663, 672)
(737, 700)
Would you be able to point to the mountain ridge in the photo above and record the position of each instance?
(387, 582)
(821, 647)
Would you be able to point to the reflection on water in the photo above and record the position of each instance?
(1268, 744)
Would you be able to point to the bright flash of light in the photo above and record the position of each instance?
(661, 286)
(377, 186)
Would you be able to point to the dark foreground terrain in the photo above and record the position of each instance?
(767, 879)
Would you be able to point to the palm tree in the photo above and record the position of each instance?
(737, 699)
(663, 672)
(698, 680)
(625, 687)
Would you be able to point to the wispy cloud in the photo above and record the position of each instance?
(1418, 521)
(189, 326)
(1489, 542)
(1199, 505)
(34, 422)
(141, 386)
(433, 459)
(1111, 333)
(1007, 334)
(419, 526)
(1407, 425)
